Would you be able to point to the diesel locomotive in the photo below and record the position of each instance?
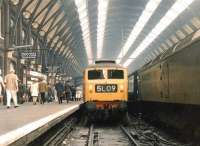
(105, 86)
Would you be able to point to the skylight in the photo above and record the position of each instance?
(102, 16)
(144, 18)
(178, 7)
(84, 22)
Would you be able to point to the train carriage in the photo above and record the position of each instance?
(169, 86)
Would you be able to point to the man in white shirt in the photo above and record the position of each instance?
(11, 81)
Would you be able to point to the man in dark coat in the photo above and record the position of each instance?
(73, 90)
(60, 89)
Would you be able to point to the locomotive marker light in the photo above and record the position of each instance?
(90, 88)
(121, 87)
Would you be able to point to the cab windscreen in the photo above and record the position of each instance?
(95, 74)
(115, 74)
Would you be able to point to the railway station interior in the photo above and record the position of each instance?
(100, 72)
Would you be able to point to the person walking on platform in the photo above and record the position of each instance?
(60, 89)
(55, 94)
(50, 93)
(42, 89)
(11, 81)
(73, 89)
(67, 93)
(34, 91)
(1, 87)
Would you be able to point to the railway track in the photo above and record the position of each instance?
(138, 133)
(93, 137)
(129, 135)
(146, 138)
(59, 136)
(121, 136)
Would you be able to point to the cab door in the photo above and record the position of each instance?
(164, 78)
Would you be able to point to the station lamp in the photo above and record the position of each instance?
(35, 25)
(15, 2)
(56, 39)
(42, 33)
(27, 14)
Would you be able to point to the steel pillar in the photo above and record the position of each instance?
(19, 41)
(7, 35)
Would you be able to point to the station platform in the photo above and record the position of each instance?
(32, 120)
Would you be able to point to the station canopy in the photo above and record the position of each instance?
(132, 32)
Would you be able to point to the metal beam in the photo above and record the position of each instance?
(26, 6)
(50, 6)
(34, 11)
(53, 16)
(59, 23)
(57, 32)
(17, 18)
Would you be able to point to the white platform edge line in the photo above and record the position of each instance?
(16, 134)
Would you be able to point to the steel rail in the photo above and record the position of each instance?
(91, 136)
(132, 140)
(57, 138)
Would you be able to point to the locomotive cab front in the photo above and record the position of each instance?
(105, 87)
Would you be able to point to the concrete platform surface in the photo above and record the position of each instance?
(30, 116)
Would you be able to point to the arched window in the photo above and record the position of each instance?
(32, 41)
(11, 23)
(23, 35)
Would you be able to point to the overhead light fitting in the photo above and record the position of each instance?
(42, 32)
(84, 22)
(178, 7)
(35, 25)
(27, 14)
(150, 8)
(15, 2)
(102, 16)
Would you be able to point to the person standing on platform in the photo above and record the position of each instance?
(55, 94)
(66, 93)
(50, 93)
(73, 89)
(1, 87)
(34, 89)
(11, 81)
(60, 90)
(24, 93)
(42, 89)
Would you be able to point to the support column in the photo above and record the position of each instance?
(44, 56)
(19, 42)
(7, 36)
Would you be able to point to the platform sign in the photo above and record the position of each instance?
(28, 55)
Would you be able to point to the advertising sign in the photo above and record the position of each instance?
(28, 55)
